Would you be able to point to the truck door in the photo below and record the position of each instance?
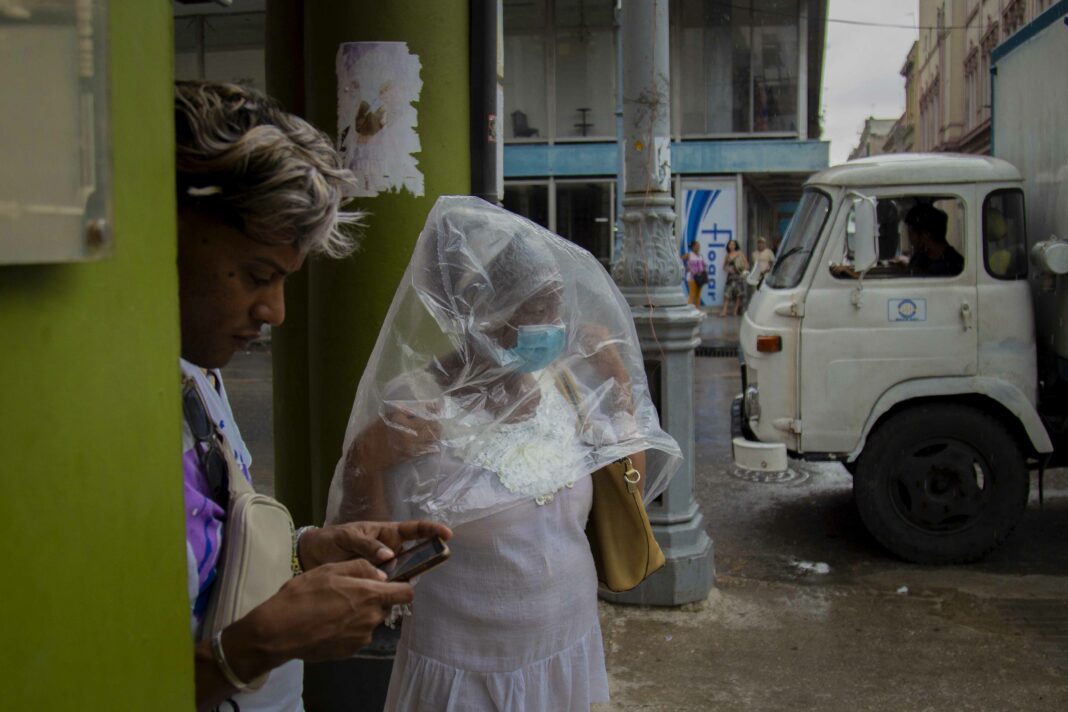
(912, 316)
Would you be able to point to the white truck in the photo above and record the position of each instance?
(939, 380)
(926, 386)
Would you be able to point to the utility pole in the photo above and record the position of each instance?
(649, 273)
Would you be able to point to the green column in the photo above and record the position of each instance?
(95, 612)
(292, 448)
(346, 301)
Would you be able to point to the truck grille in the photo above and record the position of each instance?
(717, 351)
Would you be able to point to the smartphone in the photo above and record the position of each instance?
(416, 559)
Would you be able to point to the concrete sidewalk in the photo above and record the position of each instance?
(719, 331)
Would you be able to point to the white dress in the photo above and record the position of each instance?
(510, 621)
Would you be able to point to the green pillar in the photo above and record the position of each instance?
(334, 318)
(95, 612)
(289, 343)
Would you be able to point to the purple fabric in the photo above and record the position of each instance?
(695, 264)
(203, 527)
(204, 521)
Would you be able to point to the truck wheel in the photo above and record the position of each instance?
(941, 483)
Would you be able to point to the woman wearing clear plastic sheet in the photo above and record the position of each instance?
(461, 417)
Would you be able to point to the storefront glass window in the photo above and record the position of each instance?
(525, 112)
(531, 200)
(223, 47)
(585, 69)
(775, 64)
(737, 66)
(574, 41)
(584, 214)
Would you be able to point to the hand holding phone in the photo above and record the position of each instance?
(416, 560)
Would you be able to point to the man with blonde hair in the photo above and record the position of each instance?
(258, 191)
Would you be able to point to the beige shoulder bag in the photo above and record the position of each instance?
(257, 540)
(621, 538)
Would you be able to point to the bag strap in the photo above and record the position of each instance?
(567, 385)
(237, 483)
(565, 382)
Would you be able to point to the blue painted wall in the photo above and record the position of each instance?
(687, 157)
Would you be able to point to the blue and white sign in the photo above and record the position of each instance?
(908, 309)
(710, 216)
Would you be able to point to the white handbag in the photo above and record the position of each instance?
(257, 550)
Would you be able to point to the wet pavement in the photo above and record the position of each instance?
(808, 612)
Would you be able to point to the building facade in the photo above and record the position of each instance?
(956, 40)
(873, 137)
(902, 136)
(745, 90)
(744, 104)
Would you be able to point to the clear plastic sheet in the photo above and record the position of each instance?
(508, 367)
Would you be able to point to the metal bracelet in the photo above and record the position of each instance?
(298, 567)
(224, 667)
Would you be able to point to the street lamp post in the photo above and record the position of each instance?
(649, 273)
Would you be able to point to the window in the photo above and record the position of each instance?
(585, 69)
(989, 42)
(918, 236)
(224, 47)
(972, 92)
(581, 211)
(559, 70)
(1005, 235)
(525, 92)
(799, 241)
(775, 63)
(584, 214)
(930, 116)
(531, 200)
(1013, 16)
(737, 65)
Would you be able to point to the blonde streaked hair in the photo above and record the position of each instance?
(269, 173)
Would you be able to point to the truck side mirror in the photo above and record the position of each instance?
(865, 250)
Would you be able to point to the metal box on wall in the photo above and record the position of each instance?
(55, 203)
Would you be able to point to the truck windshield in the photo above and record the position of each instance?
(799, 241)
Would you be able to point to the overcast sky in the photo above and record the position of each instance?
(861, 71)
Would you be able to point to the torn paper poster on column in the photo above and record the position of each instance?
(377, 85)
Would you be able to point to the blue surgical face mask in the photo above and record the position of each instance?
(537, 346)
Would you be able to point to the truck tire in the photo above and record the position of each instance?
(941, 483)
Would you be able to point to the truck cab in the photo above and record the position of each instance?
(895, 334)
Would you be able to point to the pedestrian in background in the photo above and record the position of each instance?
(763, 259)
(696, 272)
(735, 267)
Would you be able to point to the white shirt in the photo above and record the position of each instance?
(284, 687)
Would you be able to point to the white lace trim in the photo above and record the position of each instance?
(535, 457)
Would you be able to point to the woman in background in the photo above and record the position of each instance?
(735, 267)
(695, 265)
